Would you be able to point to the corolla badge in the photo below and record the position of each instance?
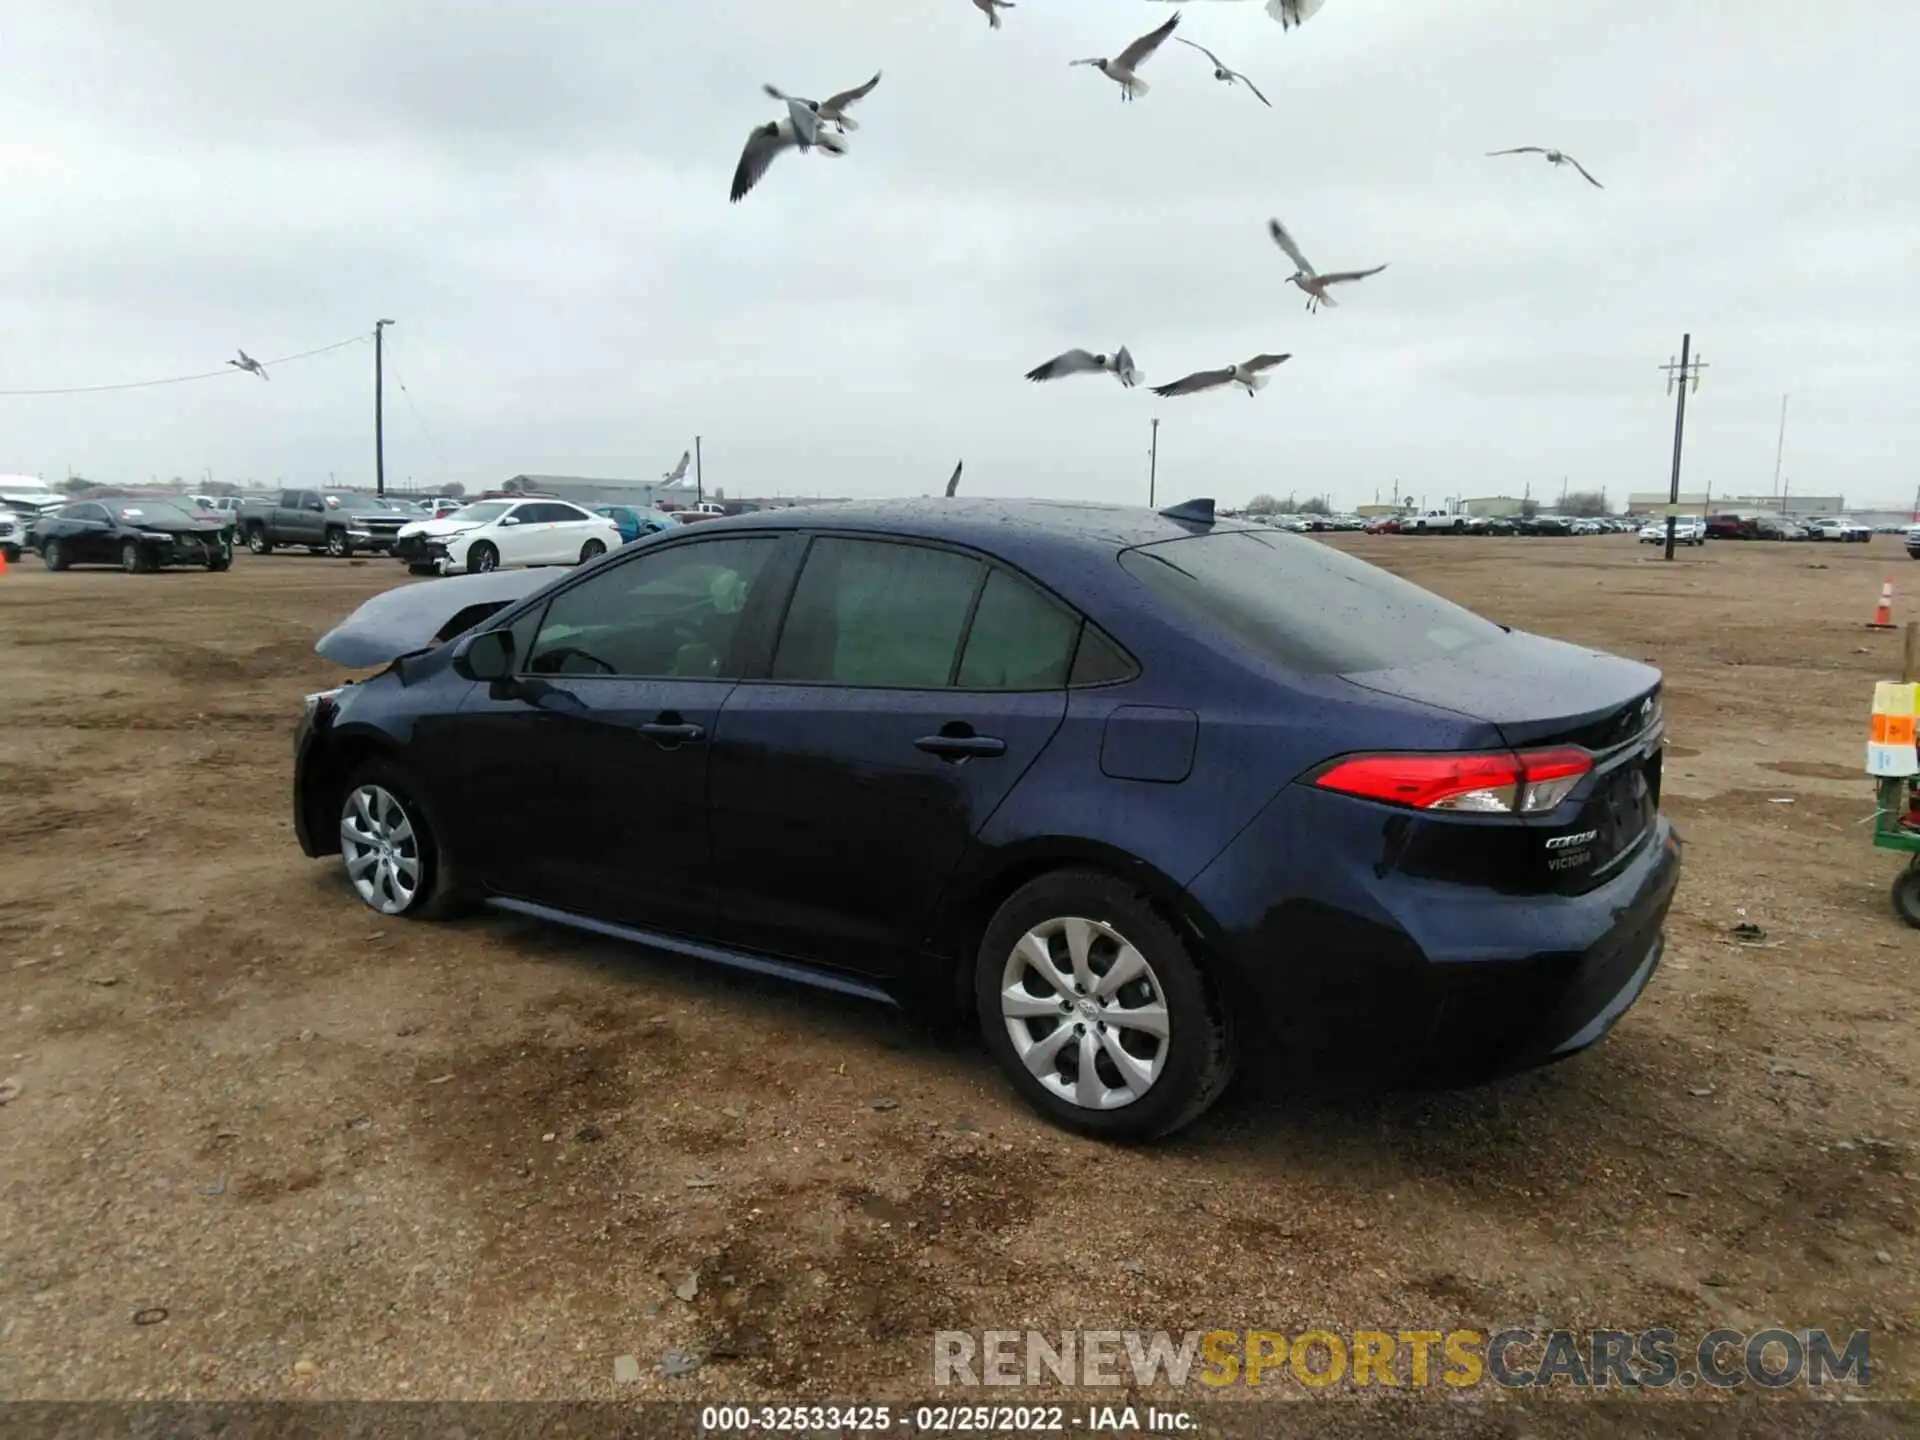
(1568, 842)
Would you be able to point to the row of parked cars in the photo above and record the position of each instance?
(435, 536)
(1450, 522)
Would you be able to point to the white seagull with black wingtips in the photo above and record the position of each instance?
(992, 9)
(765, 142)
(1084, 362)
(1124, 69)
(1223, 72)
(1288, 12)
(1250, 373)
(1554, 157)
(1314, 284)
(248, 363)
(832, 110)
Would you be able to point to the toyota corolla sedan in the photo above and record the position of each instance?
(1140, 790)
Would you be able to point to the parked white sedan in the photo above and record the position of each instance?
(494, 533)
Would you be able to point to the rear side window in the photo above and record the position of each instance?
(1304, 604)
(1020, 639)
(878, 614)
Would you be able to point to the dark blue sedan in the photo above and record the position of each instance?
(1141, 790)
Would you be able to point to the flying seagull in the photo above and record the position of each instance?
(1081, 362)
(1554, 157)
(1250, 373)
(1288, 12)
(1123, 68)
(1223, 73)
(1309, 280)
(248, 363)
(764, 142)
(993, 9)
(833, 110)
(678, 472)
(953, 480)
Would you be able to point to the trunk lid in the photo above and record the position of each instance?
(1540, 693)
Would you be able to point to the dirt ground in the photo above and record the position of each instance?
(348, 1157)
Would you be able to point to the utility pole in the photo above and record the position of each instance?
(1153, 463)
(699, 484)
(1779, 451)
(1687, 370)
(379, 418)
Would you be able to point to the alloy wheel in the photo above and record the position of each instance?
(1086, 1014)
(380, 848)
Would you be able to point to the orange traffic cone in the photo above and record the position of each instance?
(3, 562)
(1883, 612)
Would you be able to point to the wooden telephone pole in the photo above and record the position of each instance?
(1687, 369)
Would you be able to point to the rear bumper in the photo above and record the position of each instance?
(1352, 972)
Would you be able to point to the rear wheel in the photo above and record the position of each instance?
(54, 555)
(135, 558)
(257, 540)
(392, 856)
(1096, 1010)
(1906, 896)
(482, 558)
(591, 550)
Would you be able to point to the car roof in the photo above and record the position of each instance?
(991, 524)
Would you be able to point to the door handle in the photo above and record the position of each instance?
(672, 732)
(960, 747)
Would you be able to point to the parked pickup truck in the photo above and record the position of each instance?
(336, 522)
(1435, 522)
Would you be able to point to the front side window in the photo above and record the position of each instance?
(878, 614)
(673, 613)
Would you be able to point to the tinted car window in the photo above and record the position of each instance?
(1304, 604)
(1020, 639)
(1099, 661)
(672, 612)
(873, 613)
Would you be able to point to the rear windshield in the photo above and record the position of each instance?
(1304, 604)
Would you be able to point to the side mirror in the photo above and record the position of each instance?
(485, 656)
(318, 507)
(509, 519)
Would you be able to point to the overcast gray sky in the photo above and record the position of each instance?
(538, 196)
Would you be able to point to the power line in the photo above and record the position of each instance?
(183, 379)
(439, 459)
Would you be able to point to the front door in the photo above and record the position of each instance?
(911, 689)
(585, 777)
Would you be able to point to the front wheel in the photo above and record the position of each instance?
(134, 558)
(338, 545)
(1096, 1010)
(392, 856)
(592, 550)
(221, 560)
(482, 558)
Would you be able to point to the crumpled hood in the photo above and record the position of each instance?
(437, 529)
(425, 613)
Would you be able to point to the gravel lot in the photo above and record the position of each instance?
(351, 1158)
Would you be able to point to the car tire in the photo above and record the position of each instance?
(257, 540)
(482, 558)
(420, 568)
(339, 546)
(135, 558)
(10, 553)
(1187, 1068)
(54, 555)
(592, 550)
(1906, 896)
(410, 877)
(223, 561)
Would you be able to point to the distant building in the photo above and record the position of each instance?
(585, 490)
(1788, 504)
(1493, 507)
(1644, 502)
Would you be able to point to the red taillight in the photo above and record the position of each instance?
(1529, 783)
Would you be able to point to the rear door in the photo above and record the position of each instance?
(584, 781)
(88, 534)
(910, 688)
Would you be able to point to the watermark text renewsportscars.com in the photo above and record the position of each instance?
(1583, 1359)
